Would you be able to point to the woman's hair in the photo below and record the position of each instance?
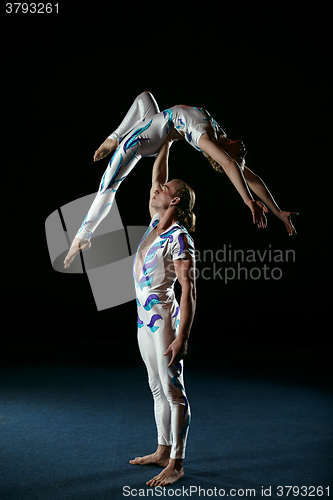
(216, 166)
(214, 163)
(187, 199)
(223, 142)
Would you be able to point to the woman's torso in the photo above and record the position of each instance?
(151, 132)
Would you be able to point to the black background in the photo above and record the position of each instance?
(68, 80)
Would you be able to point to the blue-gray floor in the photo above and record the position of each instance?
(68, 431)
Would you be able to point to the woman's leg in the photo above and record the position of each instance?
(145, 140)
(119, 167)
(143, 106)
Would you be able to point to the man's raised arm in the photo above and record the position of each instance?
(161, 167)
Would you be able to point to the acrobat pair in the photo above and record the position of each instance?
(166, 253)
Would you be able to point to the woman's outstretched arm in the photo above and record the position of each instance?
(235, 174)
(258, 186)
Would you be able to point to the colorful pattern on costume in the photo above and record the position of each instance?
(152, 322)
(151, 301)
(135, 139)
(159, 315)
(169, 114)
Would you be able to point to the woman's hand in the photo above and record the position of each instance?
(258, 210)
(286, 219)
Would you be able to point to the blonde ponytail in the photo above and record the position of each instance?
(187, 199)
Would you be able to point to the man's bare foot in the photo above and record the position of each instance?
(160, 457)
(76, 247)
(105, 148)
(173, 471)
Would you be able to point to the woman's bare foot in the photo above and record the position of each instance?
(105, 148)
(76, 247)
(173, 471)
(160, 457)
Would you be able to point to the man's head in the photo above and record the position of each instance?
(165, 197)
(176, 195)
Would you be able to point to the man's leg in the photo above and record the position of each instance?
(161, 406)
(174, 390)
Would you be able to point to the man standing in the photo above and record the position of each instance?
(165, 254)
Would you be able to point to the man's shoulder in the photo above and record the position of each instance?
(183, 230)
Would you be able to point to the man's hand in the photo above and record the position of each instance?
(178, 348)
(174, 135)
